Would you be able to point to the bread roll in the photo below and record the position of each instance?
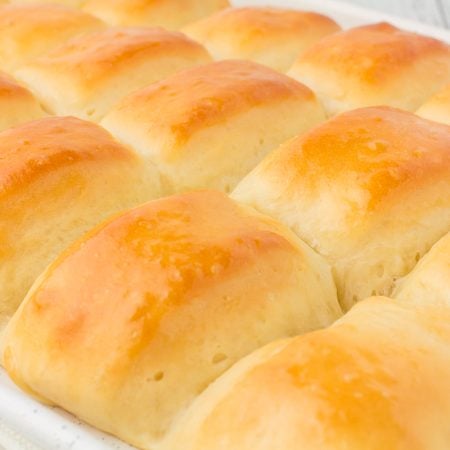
(17, 104)
(438, 107)
(374, 65)
(138, 317)
(171, 14)
(58, 178)
(429, 282)
(271, 36)
(369, 190)
(377, 379)
(209, 126)
(27, 31)
(73, 3)
(86, 76)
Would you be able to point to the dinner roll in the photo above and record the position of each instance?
(171, 14)
(209, 126)
(58, 177)
(27, 31)
(86, 76)
(73, 3)
(438, 107)
(374, 65)
(369, 190)
(377, 379)
(270, 36)
(17, 104)
(429, 282)
(132, 322)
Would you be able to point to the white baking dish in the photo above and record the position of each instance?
(25, 424)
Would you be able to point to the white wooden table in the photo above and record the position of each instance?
(433, 12)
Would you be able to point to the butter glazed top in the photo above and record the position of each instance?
(204, 96)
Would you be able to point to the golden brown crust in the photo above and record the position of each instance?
(27, 31)
(383, 44)
(160, 296)
(88, 74)
(182, 261)
(171, 14)
(72, 3)
(40, 147)
(363, 383)
(208, 126)
(17, 104)
(9, 89)
(98, 54)
(58, 178)
(251, 21)
(271, 36)
(379, 150)
(388, 149)
(205, 96)
(375, 64)
(344, 186)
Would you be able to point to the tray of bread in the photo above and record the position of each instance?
(223, 227)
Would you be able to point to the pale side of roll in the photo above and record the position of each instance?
(134, 320)
(369, 190)
(377, 379)
(207, 127)
(58, 178)
(437, 108)
(430, 279)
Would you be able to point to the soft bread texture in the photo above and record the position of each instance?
(369, 190)
(171, 14)
(377, 379)
(208, 126)
(58, 178)
(72, 3)
(86, 76)
(163, 299)
(17, 104)
(27, 31)
(438, 107)
(374, 65)
(270, 36)
(429, 282)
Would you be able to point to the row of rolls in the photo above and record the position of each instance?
(233, 236)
